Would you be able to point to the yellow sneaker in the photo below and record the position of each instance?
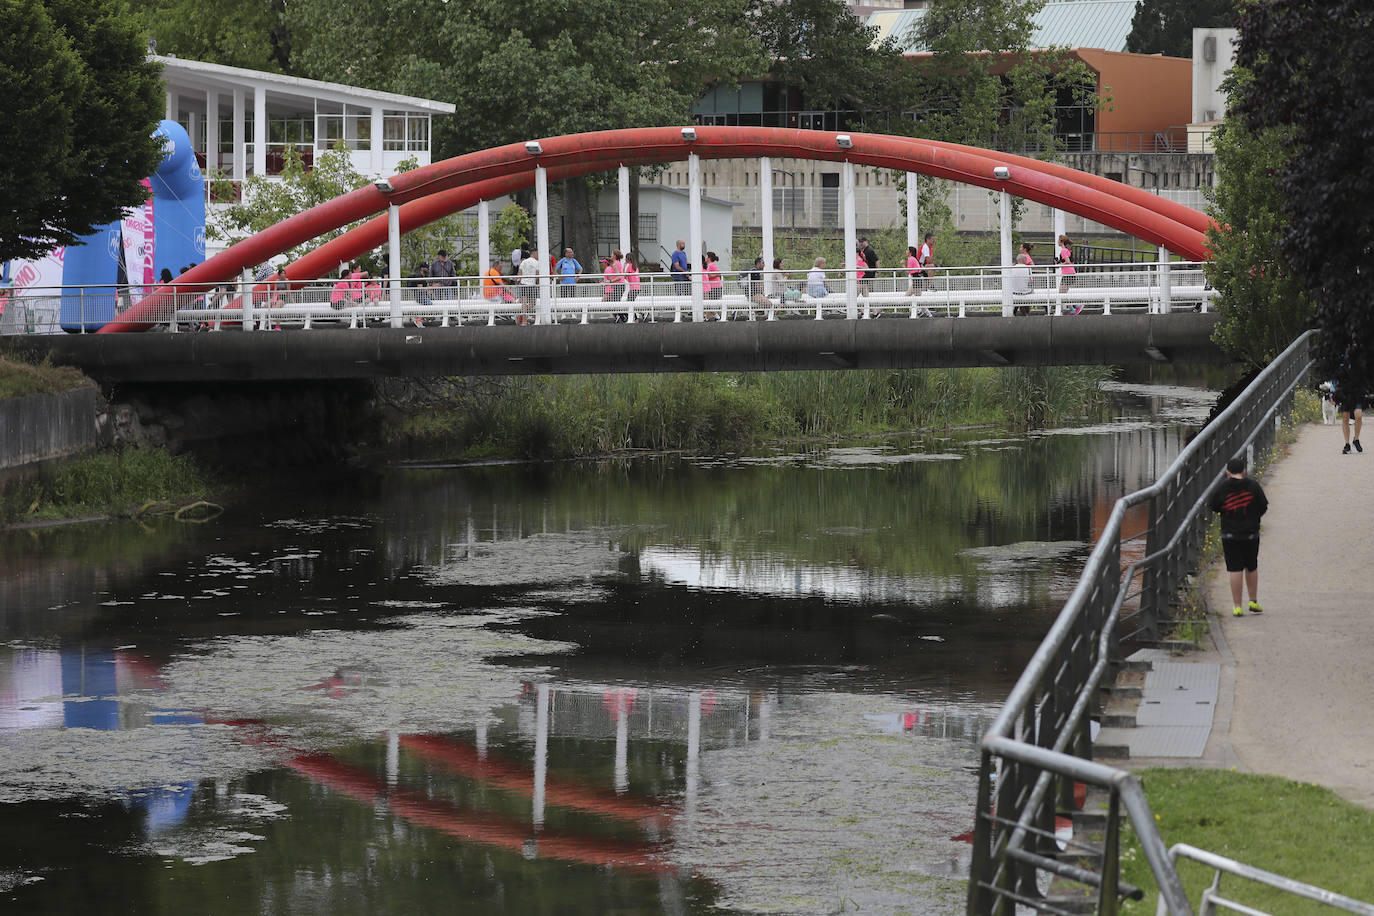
(1255, 608)
(1239, 612)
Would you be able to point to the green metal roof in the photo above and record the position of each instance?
(1102, 24)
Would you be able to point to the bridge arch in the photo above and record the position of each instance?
(434, 191)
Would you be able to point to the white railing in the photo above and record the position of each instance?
(957, 292)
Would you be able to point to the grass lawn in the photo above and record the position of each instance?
(1294, 829)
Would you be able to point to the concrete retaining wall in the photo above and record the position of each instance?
(42, 426)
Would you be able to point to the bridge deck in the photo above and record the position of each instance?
(886, 343)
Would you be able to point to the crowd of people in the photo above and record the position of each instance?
(619, 277)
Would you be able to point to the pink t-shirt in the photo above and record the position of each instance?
(712, 279)
(630, 274)
(1066, 262)
(612, 275)
(913, 266)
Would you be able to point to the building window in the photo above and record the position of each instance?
(648, 232)
(403, 130)
(607, 231)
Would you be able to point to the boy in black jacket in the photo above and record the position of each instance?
(1240, 502)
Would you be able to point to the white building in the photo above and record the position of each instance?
(242, 121)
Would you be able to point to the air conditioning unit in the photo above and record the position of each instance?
(1209, 115)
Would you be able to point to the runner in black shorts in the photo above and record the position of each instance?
(1240, 502)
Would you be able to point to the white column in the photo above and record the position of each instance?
(393, 758)
(193, 127)
(622, 745)
(393, 237)
(1004, 245)
(481, 741)
(694, 241)
(851, 283)
(378, 160)
(246, 298)
(623, 176)
(211, 129)
(693, 754)
(483, 237)
(240, 153)
(541, 750)
(1058, 229)
(1166, 293)
(544, 314)
(913, 207)
(259, 131)
(766, 210)
(170, 109)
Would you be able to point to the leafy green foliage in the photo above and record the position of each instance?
(1263, 304)
(238, 33)
(77, 140)
(1166, 26)
(822, 49)
(1312, 81)
(266, 202)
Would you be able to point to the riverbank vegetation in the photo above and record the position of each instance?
(1295, 829)
(111, 482)
(19, 378)
(572, 416)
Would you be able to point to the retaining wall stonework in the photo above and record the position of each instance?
(42, 426)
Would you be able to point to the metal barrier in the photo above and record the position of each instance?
(1040, 743)
(814, 294)
(1211, 897)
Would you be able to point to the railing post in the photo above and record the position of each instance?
(1107, 900)
(980, 898)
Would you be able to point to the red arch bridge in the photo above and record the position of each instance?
(1116, 314)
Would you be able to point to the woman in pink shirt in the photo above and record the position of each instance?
(615, 279)
(712, 286)
(1066, 269)
(629, 273)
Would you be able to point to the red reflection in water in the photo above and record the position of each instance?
(460, 757)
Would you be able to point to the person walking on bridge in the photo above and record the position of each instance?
(1240, 502)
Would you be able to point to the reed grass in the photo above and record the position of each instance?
(572, 416)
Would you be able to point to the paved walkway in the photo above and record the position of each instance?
(1300, 676)
(1294, 692)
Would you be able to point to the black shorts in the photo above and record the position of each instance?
(1241, 556)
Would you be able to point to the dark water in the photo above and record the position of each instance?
(749, 684)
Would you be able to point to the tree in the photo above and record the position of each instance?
(77, 142)
(984, 86)
(266, 201)
(820, 48)
(520, 69)
(237, 33)
(1166, 26)
(1312, 81)
(1262, 302)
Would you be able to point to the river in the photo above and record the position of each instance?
(750, 683)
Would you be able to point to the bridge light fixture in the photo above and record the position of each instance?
(843, 141)
(533, 148)
(689, 134)
(383, 185)
(1001, 172)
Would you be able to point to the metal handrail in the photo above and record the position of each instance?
(948, 291)
(1212, 897)
(1040, 737)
